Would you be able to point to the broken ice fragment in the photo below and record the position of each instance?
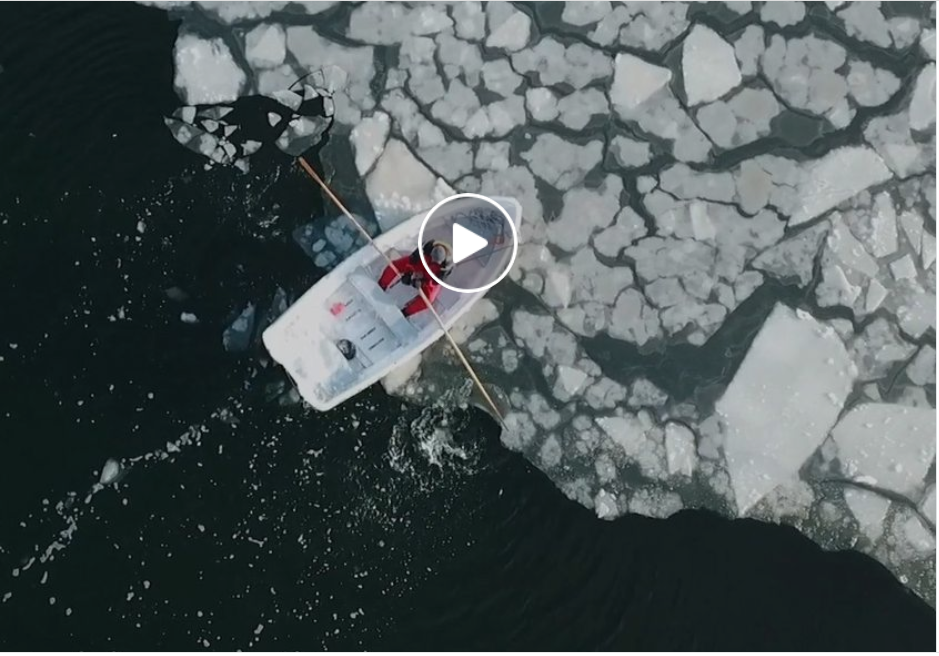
(287, 98)
(635, 81)
(679, 447)
(368, 140)
(923, 102)
(509, 28)
(709, 67)
(302, 133)
(206, 72)
(870, 510)
(782, 12)
(109, 472)
(266, 46)
(186, 114)
(237, 337)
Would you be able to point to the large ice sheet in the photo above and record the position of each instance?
(782, 402)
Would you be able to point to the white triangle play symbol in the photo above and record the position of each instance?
(466, 243)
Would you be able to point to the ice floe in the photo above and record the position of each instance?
(804, 72)
(206, 72)
(782, 402)
(783, 13)
(709, 67)
(266, 46)
(399, 186)
(886, 445)
(836, 177)
(368, 140)
(509, 28)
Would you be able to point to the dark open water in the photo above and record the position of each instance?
(282, 529)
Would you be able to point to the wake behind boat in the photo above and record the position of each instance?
(346, 332)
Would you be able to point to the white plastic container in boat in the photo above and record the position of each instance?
(311, 339)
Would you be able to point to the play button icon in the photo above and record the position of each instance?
(481, 235)
(465, 243)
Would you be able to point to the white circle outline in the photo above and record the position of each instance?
(420, 242)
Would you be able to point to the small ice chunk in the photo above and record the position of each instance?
(904, 268)
(915, 534)
(206, 72)
(110, 471)
(605, 505)
(302, 133)
(869, 509)
(499, 77)
(187, 114)
(709, 67)
(883, 239)
(679, 449)
(585, 12)
(876, 293)
(560, 163)
(630, 153)
(577, 109)
(627, 228)
(748, 47)
(870, 86)
(237, 337)
(804, 72)
(864, 20)
(368, 140)
(635, 81)
(468, 19)
(584, 211)
(922, 369)
(782, 12)
(923, 102)
(492, 156)
(889, 445)
(541, 103)
(287, 98)
(570, 379)
(188, 317)
(273, 118)
(741, 119)
(509, 28)
(794, 257)
(266, 46)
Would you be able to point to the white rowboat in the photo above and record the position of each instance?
(311, 340)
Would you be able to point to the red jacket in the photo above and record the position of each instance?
(411, 269)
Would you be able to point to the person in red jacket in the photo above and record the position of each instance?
(410, 270)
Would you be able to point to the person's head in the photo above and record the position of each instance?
(439, 254)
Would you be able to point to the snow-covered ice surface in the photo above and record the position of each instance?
(725, 290)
